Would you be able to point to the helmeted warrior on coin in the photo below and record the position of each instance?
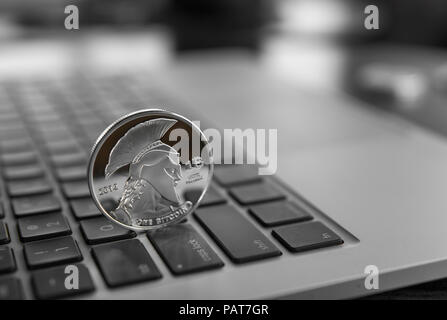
(154, 172)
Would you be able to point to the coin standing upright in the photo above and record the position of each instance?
(149, 169)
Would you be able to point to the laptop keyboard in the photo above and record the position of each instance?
(46, 132)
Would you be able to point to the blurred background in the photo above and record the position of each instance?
(314, 44)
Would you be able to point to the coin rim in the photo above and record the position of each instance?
(99, 142)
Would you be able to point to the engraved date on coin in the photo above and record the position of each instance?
(107, 189)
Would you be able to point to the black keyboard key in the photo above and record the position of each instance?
(240, 239)
(24, 206)
(23, 172)
(231, 175)
(7, 260)
(84, 208)
(71, 173)
(256, 193)
(18, 158)
(76, 189)
(19, 188)
(306, 236)
(43, 226)
(50, 283)
(100, 230)
(125, 262)
(184, 250)
(49, 252)
(11, 289)
(278, 213)
(4, 233)
(69, 159)
(211, 197)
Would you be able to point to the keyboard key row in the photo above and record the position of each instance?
(181, 247)
(243, 242)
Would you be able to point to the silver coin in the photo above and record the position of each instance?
(146, 170)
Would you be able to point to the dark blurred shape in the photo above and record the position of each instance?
(204, 24)
(122, 12)
(419, 22)
(50, 13)
(36, 13)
